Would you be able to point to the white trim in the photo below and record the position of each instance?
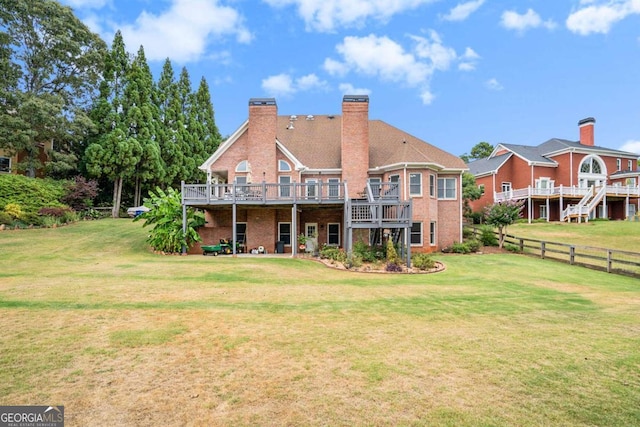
(206, 166)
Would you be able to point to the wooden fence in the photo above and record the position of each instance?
(609, 260)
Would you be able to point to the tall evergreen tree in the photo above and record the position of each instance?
(142, 119)
(186, 98)
(206, 136)
(171, 127)
(116, 152)
(57, 60)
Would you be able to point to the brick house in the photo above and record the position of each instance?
(9, 160)
(561, 180)
(336, 179)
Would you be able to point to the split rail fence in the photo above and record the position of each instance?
(609, 260)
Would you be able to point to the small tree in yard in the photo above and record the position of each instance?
(165, 215)
(503, 214)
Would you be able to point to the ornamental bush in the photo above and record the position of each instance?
(422, 261)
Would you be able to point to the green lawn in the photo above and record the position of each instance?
(621, 235)
(92, 320)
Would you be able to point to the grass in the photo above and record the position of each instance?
(621, 235)
(93, 320)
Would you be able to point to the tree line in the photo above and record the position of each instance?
(98, 106)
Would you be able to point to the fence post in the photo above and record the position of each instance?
(609, 260)
(572, 255)
(542, 249)
(521, 245)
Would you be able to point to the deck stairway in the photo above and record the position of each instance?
(585, 206)
(379, 207)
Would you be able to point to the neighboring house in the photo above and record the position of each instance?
(337, 179)
(9, 161)
(561, 180)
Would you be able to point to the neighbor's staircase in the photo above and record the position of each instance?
(585, 206)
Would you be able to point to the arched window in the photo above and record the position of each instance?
(591, 165)
(284, 166)
(243, 166)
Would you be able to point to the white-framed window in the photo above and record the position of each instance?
(283, 166)
(432, 185)
(312, 187)
(284, 233)
(415, 184)
(243, 166)
(5, 164)
(506, 187)
(285, 187)
(447, 188)
(630, 164)
(618, 164)
(333, 233)
(432, 233)
(415, 235)
(631, 182)
(591, 165)
(543, 211)
(334, 187)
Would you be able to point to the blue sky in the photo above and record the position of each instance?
(452, 73)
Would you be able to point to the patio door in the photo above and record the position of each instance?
(311, 231)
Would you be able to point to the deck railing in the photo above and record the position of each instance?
(564, 191)
(263, 193)
(381, 213)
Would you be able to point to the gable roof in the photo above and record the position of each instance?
(316, 144)
(488, 165)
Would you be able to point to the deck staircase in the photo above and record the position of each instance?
(585, 206)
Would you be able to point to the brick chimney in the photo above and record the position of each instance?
(263, 119)
(355, 142)
(587, 131)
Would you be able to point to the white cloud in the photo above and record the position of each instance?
(388, 60)
(329, 15)
(285, 85)
(601, 16)
(468, 60)
(512, 20)
(183, 31)
(349, 89)
(493, 84)
(463, 10)
(631, 146)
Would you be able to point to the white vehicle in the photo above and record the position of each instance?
(135, 211)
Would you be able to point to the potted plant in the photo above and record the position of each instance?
(302, 242)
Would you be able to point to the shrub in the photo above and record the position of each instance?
(473, 245)
(5, 218)
(352, 261)
(333, 253)
(392, 255)
(368, 253)
(57, 212)
(80, 193)
(393, 267)
(467, 232)
(422, 261)
(460, 248)
(487, 236)
(511, 248)
(14, 211)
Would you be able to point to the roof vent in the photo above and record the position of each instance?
(310, 117)
(293, 117)
(290, 125)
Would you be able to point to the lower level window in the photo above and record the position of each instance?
(333, 234)
(416, 234)
(432, 233)
(543, 211)
(284, 232)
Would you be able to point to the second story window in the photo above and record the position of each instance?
(283, 166)
(432, 186)
(415, 184)
(447, 188)
(243, 166)
(5, 164)
(618, 164)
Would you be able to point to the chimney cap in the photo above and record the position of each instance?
(262, 101)
(355, 98)
(587, 121)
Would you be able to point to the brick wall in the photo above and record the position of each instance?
(263, 119)
(355, 144)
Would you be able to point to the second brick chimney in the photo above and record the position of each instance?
(587, 131)
(263, 119)
(355, 142)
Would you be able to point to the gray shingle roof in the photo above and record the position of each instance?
(487, 165)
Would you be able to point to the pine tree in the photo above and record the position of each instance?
(169, 132)
(206, 136)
